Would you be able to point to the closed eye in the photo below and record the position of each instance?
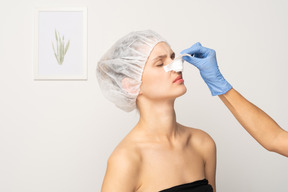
(160, 65)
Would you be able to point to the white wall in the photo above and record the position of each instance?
(57, 135)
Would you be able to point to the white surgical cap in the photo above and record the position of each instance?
(119, 71)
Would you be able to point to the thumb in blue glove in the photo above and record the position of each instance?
(205, 60)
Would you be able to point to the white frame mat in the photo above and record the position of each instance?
(60, 47)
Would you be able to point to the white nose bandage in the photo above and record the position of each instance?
(176, 65)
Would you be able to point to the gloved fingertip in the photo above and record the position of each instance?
(184, 51)
(186, 58)
(189, 59)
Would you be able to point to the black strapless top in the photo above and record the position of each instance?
(195, 186)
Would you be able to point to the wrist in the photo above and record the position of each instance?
(219, 86)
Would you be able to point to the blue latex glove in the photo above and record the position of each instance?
(205, 60)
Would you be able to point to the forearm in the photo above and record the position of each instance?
(261, 126)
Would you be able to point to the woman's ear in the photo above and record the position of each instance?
(140, 91)
(130, 85)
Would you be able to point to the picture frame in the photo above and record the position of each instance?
(60, 47)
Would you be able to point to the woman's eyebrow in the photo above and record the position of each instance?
(159, 57)
(162, 56)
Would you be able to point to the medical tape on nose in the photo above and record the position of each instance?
(176, 65)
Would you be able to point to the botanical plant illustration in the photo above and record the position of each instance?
(61, 48)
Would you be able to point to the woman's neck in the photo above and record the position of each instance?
(158, 119)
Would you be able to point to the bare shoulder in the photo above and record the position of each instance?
(125, 150)
(123, 168)
(201, 140)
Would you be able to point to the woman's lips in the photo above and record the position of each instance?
(178, 79)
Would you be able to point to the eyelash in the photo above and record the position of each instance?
(172, 57)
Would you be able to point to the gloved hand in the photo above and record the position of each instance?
(205, 60)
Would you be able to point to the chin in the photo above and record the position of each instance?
(166, 93)
(181, 91)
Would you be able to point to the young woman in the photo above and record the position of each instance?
(158, 154)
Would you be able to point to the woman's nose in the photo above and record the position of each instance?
(175, 65)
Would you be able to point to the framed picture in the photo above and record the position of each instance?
(60, 43)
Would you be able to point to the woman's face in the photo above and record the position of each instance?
(156, 83)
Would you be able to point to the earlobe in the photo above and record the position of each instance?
(140, 92)
(129, 85)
